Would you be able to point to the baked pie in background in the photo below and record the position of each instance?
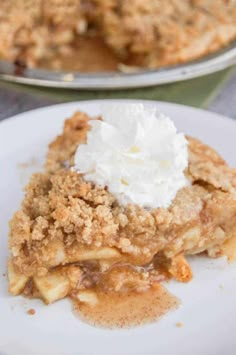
(62, 34)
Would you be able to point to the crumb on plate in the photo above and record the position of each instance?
(179, 324)
(31, 312)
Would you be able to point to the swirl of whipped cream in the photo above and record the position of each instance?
(135, 152)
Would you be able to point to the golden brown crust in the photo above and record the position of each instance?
(62, 149)
(208, 167)
(167, 32)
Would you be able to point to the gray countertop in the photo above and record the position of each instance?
(225, 102)
(13, 101)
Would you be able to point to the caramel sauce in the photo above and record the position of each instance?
(126, 310)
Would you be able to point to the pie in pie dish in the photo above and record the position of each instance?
(72, 237)
(62, 34)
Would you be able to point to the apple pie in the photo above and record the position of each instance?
(62, 34)
(73, 238)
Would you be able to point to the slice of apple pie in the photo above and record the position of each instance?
(75, 235)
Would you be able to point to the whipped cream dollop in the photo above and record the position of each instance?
(136, 153)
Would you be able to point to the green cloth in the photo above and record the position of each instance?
(196, 92)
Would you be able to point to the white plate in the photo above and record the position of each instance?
(208, 310)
